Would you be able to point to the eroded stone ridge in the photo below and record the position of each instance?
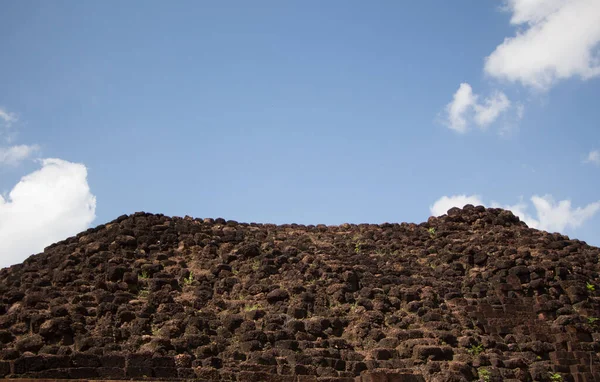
(472, 295)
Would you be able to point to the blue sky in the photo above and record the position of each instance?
(300, 111)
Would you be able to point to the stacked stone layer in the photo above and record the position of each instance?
(471, 295)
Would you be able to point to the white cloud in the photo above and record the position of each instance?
(532, 10)
(6, 117)
(488, 112)
(443, 204)
(593, 157)
(560, 40)
(46, 206)
(550, 215)
(558, 216)
(15, 154)
(465, 106)
(463, 100)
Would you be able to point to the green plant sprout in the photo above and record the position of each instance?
(357, 247)
(484, 375)
(475, 350)
(252, 307)
(189, 280)
(590, 287)
(143, 293)
(592, 320)
(555, 377)
(431, 232)
(144, 275)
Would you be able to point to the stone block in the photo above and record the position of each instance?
(83, 372)
(62, 373)
(389, 376)
(113, 361)
(111, 372)
(81, 360)
(138, 372)
(57, 361)
(4, 368)
(165, 372)
(186, 373)
(139, 360)
(163, 362)
(29, 364)
(434, 353)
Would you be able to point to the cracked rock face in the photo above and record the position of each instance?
(471, 295)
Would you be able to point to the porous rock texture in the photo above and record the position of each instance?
(471, 295)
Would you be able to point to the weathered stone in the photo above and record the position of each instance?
(277, 295)
(31, 343)
(433, 353)
(221, 300)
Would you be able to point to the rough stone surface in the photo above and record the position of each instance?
(470, 294)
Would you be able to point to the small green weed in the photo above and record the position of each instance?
(484, 375)
(189, 280)
(357, 247)
(592, 320)
(143, 293)
(251, 307)
(431, 232)
(475, 350)
(144, 275)
(555, 377)
(590, 287)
